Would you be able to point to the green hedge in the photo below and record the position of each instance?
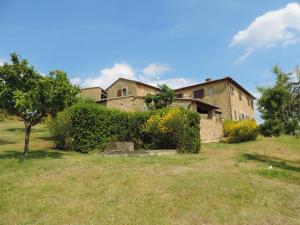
(240, 131)
(87, 126)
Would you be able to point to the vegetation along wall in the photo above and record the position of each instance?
(87, 126)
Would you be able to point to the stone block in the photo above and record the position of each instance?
(119, 146)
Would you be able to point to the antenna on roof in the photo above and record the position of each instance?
(157, 80)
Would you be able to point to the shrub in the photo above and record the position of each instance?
(1, 117)
(174, 128)
(240, 131)
(58, 127)
(297, 133)
(87, 126)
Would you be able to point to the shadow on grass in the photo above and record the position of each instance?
(19, 129)
(6, 142)
(46, 138)
(37, 154)
(274, 161)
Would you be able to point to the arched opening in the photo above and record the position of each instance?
(124, 92)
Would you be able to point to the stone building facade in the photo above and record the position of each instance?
(234, 101)
(214, 100)
(95, 93)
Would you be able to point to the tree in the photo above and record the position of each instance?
(162, 99)
(279, 105)
(31, 96)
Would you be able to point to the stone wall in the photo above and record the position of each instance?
(143, 90)
(190, 105)
(133, 88)
(210, 130)
(129, 104)
(240, 106)
(93, 93)
(120, 85)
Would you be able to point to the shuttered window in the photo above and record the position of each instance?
(119, 93)
(180, 95)
(199, 93)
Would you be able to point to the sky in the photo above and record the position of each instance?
(177, 42)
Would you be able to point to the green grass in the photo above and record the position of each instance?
(224, 184)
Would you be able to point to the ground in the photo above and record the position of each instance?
(224, 184)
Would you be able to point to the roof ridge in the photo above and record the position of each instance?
(217, 80)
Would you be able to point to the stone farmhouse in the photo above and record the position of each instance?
(214, 100)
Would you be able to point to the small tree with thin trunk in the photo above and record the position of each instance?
(279, 104)
(162, 99)
(31, 96)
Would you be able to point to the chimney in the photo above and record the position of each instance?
(208, 80)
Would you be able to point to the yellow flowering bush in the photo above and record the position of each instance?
(240, 131)
(174, 128)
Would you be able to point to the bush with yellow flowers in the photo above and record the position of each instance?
(173, 128)
(240, 131)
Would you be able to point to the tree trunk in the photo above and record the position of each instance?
(27, 135)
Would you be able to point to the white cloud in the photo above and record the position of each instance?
(153, 69)
(109, 75)
(2, 62)
(76, 80)
(258, 118)
(274, 28)
(174, 83)
(147, 75)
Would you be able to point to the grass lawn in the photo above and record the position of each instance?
(224, 184)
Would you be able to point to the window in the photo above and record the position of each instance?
(248, 99)
(252, 104)
(180, 95)
(187, 95)
(235, 115)
(124, 92)
(210, 91)
(241, 116)
(240, 96)
(231, 90)
(199, 93)
(119, 93)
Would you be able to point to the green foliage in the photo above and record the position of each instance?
(240, 131)
(297, 133)
(31, 96)
(1, 117)
(162, 99)
(58, 127)
(87, 126)
(279, 105)
(271, 128)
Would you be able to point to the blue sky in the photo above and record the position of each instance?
(182, 42)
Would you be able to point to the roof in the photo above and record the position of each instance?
(218, 80)
(91, 88)
(199, 101)
(133, 81)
